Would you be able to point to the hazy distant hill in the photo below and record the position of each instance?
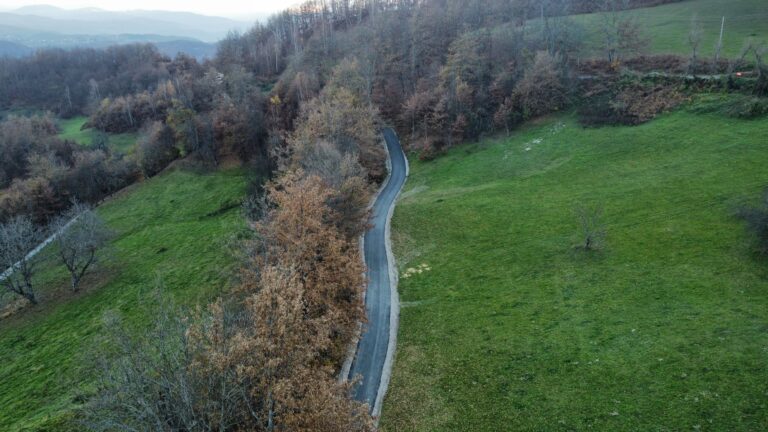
(13, 49)
(32, 27)
(97, 21)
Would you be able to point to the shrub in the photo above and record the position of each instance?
(628, 104)
(735, 105)
(598, 110)
(642, 103)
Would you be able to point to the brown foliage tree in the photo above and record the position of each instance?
(298, 232)
(342, 116)
(155, 149)
(541, 91)
(18, 237)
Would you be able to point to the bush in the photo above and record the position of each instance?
(734, 105)
(598, 110)
(628, 104)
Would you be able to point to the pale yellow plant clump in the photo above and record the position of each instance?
(412, 271)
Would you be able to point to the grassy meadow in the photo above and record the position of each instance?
(507, 325)
(71, 130)
(174, 230)
(668, 25)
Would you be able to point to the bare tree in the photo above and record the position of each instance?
(718, 46)
(695, 36)
(591, 226)
(100, 141)
(758, 50)
(80, 234)
(756, 218)
(541, 90)
(622, 34)
(19, 237)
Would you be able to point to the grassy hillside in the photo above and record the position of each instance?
(509, 326)
(70, 129)
(668, 25)
(174, 229)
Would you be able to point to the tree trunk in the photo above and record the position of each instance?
(30, 297)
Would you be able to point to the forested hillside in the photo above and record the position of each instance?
(296, 103)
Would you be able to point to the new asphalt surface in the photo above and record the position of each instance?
(370, 362)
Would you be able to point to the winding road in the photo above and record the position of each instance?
(375, 350)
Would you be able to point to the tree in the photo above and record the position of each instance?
(155, 149)
(591, 227)
(622, 34)
(298, 232)
(18, 238)
(541, 91)
(183, 121)
(150, 381)
(695, 36)
(80, 235)
(100, 141)
(235, 366)
(759, 51)
(342, 117)
(756, 218)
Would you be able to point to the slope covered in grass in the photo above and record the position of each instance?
(71, 130)
(668, 26)
(514, 328)
(175, 230)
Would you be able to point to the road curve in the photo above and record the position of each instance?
(375, 350)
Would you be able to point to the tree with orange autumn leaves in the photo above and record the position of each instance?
(267, 358)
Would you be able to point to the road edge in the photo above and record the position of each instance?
(352, 350)
(394, 314)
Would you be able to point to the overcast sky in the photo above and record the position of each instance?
(239, 9)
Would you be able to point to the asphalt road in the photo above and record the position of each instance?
(370, 361)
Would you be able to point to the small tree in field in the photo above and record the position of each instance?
(756, 218)
(81, 235)
(622, 35)
(695, 36)
(18, 237)
(592, 229)
(759, 51)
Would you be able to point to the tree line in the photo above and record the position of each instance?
(42, 174)
(300, 100)
(266, 357)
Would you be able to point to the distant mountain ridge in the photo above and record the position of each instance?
(95, 21)
(165, 44)
(13, 49)
(24, 30)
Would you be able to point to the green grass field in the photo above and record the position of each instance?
(175, 229)
(515, 328)
(71, 130)
(668, 25)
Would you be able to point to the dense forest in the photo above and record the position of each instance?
(299, 100)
